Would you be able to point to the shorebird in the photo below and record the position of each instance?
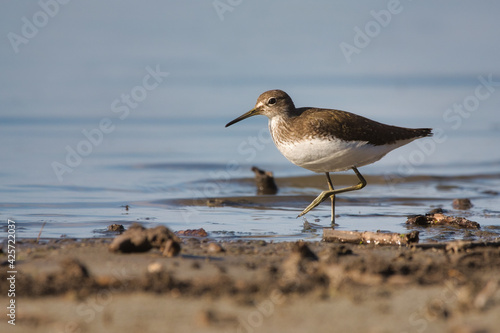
(328, 140)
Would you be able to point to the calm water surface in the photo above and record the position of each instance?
(159, 167)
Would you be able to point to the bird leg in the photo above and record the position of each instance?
(331, 193)
(330, 186)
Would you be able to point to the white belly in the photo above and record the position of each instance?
(334, 155)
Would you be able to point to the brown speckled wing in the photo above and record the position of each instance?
(327, 123)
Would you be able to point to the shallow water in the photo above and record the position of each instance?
(166, 171)
(169, 153)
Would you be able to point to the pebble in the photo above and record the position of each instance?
(155, 267)
(215, 248)
(462, 204)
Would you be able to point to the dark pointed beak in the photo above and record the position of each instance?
(250, 113)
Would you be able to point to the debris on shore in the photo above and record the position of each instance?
(441, 219)
(368, 237)
(265, 181)
(462, 204)
(116, 228)
(192, 233)
(140, 239)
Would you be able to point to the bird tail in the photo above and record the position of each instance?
(423, 132)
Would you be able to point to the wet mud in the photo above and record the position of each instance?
(220, 286)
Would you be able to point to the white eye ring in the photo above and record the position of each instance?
(271, 101)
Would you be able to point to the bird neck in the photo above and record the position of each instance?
(279, 126)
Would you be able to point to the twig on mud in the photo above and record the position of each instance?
(368, 237)
(40, 233)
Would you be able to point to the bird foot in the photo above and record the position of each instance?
(322, 197)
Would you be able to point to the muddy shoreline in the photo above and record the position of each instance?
(255, 286)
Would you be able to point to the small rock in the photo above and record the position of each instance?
(438, 210)
(418, 220)
(139, 239)
(130, 241)
(157, 236)
(265, 181)
(116, 227)
(105, 281)
(192, 233)
(462, 204)
(155, 267)
(215, 248)
(441, 219)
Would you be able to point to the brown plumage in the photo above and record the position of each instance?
(329, 123)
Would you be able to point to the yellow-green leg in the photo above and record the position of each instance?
(331, 193)
(330, 186)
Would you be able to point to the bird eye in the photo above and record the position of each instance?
(271, 101)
